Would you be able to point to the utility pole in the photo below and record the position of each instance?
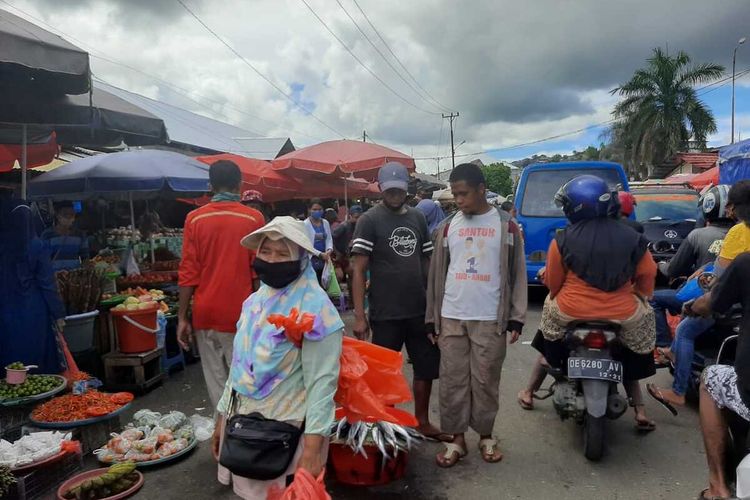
(734, 60)
(364, 136)
(451, 117)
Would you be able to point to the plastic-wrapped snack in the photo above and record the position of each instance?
(137, 456)
(169, 449)
(108, 456)
(119, 445)
(132, 434)
(146, 418)
(173, 420)
(186, 432)
(162, 435)
(147, 445)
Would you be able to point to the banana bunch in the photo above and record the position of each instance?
(117, 479)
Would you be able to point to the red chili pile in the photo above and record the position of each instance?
(72, 407)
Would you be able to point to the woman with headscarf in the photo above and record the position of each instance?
(269, 374)
(30, 308)
(432, 212)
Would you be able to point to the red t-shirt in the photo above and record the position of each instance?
(214, 262)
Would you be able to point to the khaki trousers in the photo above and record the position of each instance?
(471, 362)
(216, 350)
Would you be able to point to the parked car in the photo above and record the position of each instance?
(668, 214)
(538, 214)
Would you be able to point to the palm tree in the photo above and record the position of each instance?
(660, 110)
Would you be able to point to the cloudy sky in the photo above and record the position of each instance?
(516, 71)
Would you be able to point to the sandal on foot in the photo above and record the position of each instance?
(490, 451)
(451, 456)
(655, 393)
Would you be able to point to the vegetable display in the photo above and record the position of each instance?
(73, 407)
(117, 479)
(34, 384)
(151, 436)
(16, 366)
(7, 479)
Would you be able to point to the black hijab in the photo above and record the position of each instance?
(602, 252)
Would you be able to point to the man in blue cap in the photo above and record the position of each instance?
(392, 241)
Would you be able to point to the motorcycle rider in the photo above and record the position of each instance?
(597, 264)
(724, 386)
(701, 247)
(735, 242)
(627, 206)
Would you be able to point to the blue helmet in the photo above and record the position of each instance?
(584, 197)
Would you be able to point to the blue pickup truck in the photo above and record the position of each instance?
(538, 215)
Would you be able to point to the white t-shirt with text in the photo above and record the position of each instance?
(472, 287)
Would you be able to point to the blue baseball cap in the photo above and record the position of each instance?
(393, 175)
(355, 209)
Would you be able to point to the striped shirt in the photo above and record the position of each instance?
(67, 251)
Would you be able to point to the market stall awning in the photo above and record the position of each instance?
(260, 176)
(138, 174)
(103, 120)
(31, 57)
(708, 178)
(340, 159)
(734, 162)
(40, 151)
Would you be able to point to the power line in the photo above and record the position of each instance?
(174, 88)
(397, 58)
(380, 52)
(257, 71)
(382, 82)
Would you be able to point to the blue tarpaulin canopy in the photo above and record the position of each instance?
(734, 162)
(137, 174)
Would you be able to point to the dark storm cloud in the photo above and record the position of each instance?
(133, 14)
(521, 62)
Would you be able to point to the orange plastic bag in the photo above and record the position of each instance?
(304, 487)
(72, 372)
(294, 326)
(370, 380)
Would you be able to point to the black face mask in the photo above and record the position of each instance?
(277, 274)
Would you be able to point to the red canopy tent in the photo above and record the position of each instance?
(340, 159)
(37, 155)
(709, 177)
(260, 176)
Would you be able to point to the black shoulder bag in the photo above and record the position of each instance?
(256, 447)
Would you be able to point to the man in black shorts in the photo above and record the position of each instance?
(393, 242)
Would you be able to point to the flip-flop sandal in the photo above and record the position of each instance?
(440, 437)
(489, 450)
(655, 393)
(645, 425)
(446, 459)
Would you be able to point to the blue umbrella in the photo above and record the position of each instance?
(138, 174)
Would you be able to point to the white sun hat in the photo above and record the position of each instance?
(281, 227)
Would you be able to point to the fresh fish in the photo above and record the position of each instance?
(401, 433)
(340, 427)
(364, 430)
(390, 435)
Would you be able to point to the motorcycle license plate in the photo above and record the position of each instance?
(596, 369)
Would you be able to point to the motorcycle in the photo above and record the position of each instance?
(586, 390)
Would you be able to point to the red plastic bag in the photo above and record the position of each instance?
(294, 327)
(304, 487)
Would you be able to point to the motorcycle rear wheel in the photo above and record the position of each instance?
(593, 437)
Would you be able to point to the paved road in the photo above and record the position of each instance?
(543, 456)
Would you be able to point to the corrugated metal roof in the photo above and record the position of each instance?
(192, 129)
